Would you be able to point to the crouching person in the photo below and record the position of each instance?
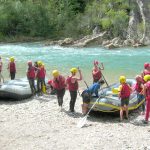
(90, 92)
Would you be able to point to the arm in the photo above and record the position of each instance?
(102, 66)
(144, 90)
(74, 79)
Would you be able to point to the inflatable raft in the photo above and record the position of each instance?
(109, 101)
(15, 89)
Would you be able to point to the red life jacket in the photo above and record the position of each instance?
(72, 86)
(59, 83)
(97, 75)
(41, 73)
(138, 87)
(147, 90)
(146, 72)
(125, 91)
(12, 67)
(31, 72)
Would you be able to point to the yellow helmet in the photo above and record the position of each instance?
(73, 70)
(122, 79)
(12, 59)
(146, 78)
(55, 73)
(39, 63)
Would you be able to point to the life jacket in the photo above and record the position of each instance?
(147, 90)
(97, 75)
(125, 91)
(31, 72)
(59, 83)
(41, 73)
(138, 87)
(72, 86)
(146, 72)
(12, 67)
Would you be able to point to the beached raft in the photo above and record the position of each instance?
(15, 89)
(110, 102)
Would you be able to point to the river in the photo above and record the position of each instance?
(122, 61)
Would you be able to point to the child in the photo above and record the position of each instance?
(59, 84)
(139, 89)
(31, 77)
(124, 94)
(96, 72)
(72, 82)
(41, 72)
(147, 96)
(12, 68)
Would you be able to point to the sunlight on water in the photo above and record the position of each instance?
(125, 61)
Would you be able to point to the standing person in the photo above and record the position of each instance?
(12, 68)
(96, 72)
(139, 87)
(147, 96)
(72, 82)
(146, 70)
(31, 77)
(124, 94)
(88, 93)
(59, 85)
(41, 72)
(1, 66)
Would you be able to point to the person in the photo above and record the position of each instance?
(139, 86)
(41, 72)
(59, 84)
(147, 96)
(52, 89)
(146, 70)
(124, 94)
(1, 66)
(96, 72)
(12, 68)
(72, 82)
(88, 93)
(31, 76)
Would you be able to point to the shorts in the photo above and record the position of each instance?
(86, 97)
(125, 101)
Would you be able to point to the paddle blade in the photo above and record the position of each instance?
(82, 122)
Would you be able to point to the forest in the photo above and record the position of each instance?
(57, 19)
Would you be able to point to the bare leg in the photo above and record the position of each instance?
(121, 113)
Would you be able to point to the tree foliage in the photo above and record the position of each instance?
(62, 18)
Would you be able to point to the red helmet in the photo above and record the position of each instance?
(96, 62)
(30, 63)
(139, 78)
(50, 82)
(146, 65)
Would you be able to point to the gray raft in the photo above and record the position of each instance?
(109, 102)
(15, 89)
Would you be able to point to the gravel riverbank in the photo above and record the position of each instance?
(37, 124)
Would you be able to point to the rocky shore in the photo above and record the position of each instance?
(37, 124)
(97, 39)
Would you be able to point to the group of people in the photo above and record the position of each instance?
(60, 84)
(142, 88)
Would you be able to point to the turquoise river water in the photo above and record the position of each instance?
(124, 61)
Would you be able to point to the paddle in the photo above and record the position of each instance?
(82, 122)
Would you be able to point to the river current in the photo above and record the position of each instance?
(122, 61)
